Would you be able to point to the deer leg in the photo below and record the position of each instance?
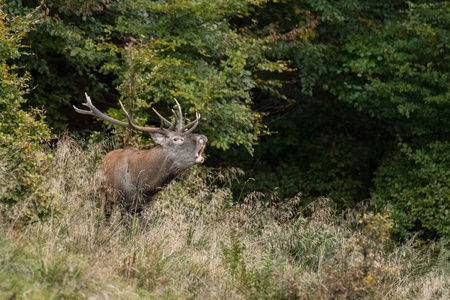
(127, 218)
(129, 207)
(145, 214)
(107, 204)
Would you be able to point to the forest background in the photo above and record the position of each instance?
(347, 100)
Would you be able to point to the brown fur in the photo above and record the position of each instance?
(133, 177)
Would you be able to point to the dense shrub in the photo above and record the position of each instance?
(414, 184)
(23, 133)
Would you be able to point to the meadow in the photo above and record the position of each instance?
(203, 244)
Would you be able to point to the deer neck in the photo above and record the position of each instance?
(163, 172)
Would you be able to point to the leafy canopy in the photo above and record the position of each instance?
(152, 52)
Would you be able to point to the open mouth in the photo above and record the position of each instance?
(198, 157)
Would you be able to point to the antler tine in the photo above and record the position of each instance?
(172, 125)
(88, 104)
(175, 122)
(93, 111)
(180, 123)
(140, 128)
(163, 120)
(130, 122)
(193, 124)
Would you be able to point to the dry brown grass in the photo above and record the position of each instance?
(200, 245)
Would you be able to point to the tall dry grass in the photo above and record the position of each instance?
(201, 245)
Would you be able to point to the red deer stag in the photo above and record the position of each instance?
(133, 177)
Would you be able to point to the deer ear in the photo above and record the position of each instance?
(158, 137)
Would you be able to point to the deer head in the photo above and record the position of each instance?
(175, 136)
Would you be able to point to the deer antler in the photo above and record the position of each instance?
(93, 111)
(178, 123)
(184, 129)
(193, 124)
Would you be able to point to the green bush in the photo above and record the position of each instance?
(414, 184)
(23, 133)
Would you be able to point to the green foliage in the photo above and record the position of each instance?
(23, 133)
(329, 156)
(189, 51)
(414, 184)
(396, 68)
(152, 51)
(364, 73)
